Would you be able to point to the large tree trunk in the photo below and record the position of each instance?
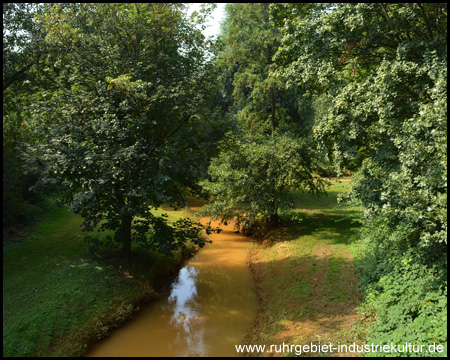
(126, 236)
(274, 220)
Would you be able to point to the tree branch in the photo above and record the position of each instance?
(16, 76)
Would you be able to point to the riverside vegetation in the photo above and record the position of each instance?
(59, 298)
(42, 317)
(305, 275)
(118, 109)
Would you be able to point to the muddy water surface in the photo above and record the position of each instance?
(211, 306)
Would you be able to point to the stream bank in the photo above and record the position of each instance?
(305, 277)
(58, 300)
(210, 307)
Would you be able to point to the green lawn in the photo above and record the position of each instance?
(305, 276)
(58, 298)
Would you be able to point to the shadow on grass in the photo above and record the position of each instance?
(319, 298)
(307, 201)
(339, 228)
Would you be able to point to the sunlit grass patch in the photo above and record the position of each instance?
(304, 272)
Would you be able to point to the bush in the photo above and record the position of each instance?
(405, 290)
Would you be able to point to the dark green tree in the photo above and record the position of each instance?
(258, 100)
(24, 53)
(119, 123)
(23, 41)
(251, 177)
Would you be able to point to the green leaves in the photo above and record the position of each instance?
(383, 68)
(118, 129)
(261, 102)
(380, 69)
(252, 176)
(411, 306)
(157, 234)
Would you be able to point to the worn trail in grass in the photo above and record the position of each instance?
(305, 276)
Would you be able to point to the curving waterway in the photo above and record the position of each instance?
(211, 306)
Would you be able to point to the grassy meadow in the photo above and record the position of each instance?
(58, 299)
(305, 275)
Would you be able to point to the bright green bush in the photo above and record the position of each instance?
(405, 288)
(410, 303)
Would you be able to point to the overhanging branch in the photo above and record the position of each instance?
(16, 76)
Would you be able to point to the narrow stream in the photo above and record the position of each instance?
(211, 306)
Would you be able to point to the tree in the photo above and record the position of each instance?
(384, 69)
(118, 125)
(252, 176)
(24, 52)
(260, 101)
(23, 41)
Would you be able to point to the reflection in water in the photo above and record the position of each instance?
(183, 291)
(185, 316)
(210, 308)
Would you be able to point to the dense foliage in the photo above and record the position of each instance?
(384, 69)
(119, 120)
(24, 52)
(120, 108)
(252, 176)
(258, 100)
(271, 153)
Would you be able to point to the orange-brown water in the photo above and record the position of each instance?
(211, 306)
